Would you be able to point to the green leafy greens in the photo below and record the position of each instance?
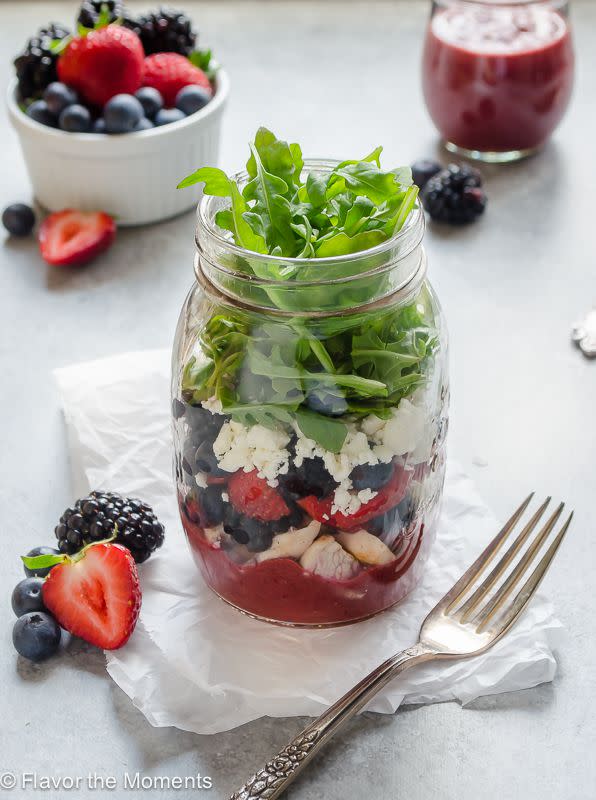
(280, 212)
(318, 371)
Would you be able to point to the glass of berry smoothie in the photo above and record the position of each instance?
(497, 76)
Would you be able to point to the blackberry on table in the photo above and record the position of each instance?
(36, 65)
(423, 170)
(455, 195)
(96, 516)
(166, 30)
(91, 11)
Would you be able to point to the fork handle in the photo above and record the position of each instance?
(274, 778)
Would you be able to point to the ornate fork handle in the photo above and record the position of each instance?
(274, 778)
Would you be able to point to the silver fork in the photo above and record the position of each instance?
(469, 619)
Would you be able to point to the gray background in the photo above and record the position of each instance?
(340, 78)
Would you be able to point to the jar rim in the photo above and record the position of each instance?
(413, 228)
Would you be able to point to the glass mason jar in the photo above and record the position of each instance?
(309, 489)
(497, 75)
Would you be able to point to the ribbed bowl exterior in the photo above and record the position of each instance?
(132, 177)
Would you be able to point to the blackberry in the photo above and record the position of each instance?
(311, 477)
(166, 30)
(455, 195)
(94, 518)
(36, 65)
(91, 11)
(423, 170)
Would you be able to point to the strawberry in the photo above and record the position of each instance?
(103, 63)
(253, 497)
(170, 72)
(95, 594)
(75, 237)
(386, 498)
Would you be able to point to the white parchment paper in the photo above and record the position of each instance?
(199, 665)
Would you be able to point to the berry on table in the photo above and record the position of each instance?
(69, 237)
(36, 65)
(121, 113)
(164, 31)
(143, 124)
(36, 636)
(167, 116)
(191, 99)
(171, 72)
(98, 515)
(75, 119)
(40, 572)
(92, 11)
(26, 596)
(423, 170)
(104, 63)
(39, 111)
(59, 96)
(99, 126)
(455, 195)
(18, 219)
(150, 99)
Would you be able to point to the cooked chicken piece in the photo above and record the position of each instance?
(368, 549)
(327, 558)
(291, 544)
(214, 535)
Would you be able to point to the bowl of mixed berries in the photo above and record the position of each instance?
(109, 114)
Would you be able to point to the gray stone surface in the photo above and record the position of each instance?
(341, 78)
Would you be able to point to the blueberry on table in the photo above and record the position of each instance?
(143, 124)
(26, 596)
(423, 170)
(36, 635)
(151, 100)
(40, 112)
(40, 572)
(122, 112)
(18, 219)
(75, 119)
(99, 126)
(167, 116)
(192, 98)
(59, 96)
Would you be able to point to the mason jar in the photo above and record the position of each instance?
(310, 412)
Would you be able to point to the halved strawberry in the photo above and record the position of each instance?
(253, 497)
(386, 498)
(72, 237)
(170, 72)
(95, 594)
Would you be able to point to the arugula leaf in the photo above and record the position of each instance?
(329, 433)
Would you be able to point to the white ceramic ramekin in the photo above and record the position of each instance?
(132, 177)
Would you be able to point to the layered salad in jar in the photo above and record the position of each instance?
(309, 442)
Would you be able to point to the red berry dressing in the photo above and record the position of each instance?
(497, 77)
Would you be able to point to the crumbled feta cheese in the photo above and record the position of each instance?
(225, 497)
(356, 450)
(260, 448)
(347, 502)
(201, 480)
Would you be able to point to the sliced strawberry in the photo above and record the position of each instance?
(170, 72)
(74, 237)
(97, 596)
(103, 63)
(253, 497)
(386, 498)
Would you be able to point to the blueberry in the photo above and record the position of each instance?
(260, 541)
(191, 99)
(143, 124)
(212, 505)
(59, 96)
(18, 219)
(40, 112)
(331, 405)
(167, 115)
(122, 113)
(36, 636)
(423, 170)
(42, 571)
(311, 477)
(151, 100)
(26, 596)
(206, 460)
(75, 119)
(371, 476)
(99, 126)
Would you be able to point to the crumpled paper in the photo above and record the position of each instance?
(199, 665)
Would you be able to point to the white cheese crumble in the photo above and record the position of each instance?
(201, 480)
(260, 448)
